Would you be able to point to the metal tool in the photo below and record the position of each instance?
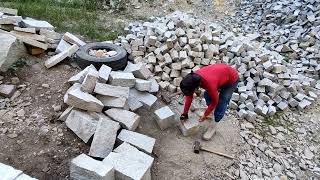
(197, 148)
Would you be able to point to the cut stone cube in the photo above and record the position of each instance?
(145, 98)
(154, 86)
(122, 79)
(293, 102)
(113, 102)
(283, 105)
(82, 124)
(127, 119)
(164, 117)
(189, 127)
(85, 167)
(7, 90)
(72, 39)
(134, 104)
(78, 78)
(138, 70)
(104, 137)
(140, 141)
(303, 104)
(272, 110)
(65, 114)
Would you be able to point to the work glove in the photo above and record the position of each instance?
(184, 117)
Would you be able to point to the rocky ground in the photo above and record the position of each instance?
(284, 146)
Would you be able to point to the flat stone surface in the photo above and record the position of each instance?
(72, 39)
(89, 82)
(143, 85)
(82, 124)
(62, 46)
(140, 141)
(104, 73)
(65, 114)
(134, 104)
(127, 119)
(122, 79)
(145, 98)
(84, 101)
(164, 117)
(154, 86)
(37, 24)
(8, 172)
(189, 127)
(84, 167)
(7, 90)
(113, 102)
(138, 70)
(127, 168)
(112, 91)
(104, 137)
(78, 78)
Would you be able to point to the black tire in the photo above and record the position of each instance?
(117, 62)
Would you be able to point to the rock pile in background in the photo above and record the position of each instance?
(270, 81)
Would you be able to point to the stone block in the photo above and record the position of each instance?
(143, 85)
(83, 100)
(267, 65)
(176, 66)
(189, 127)
(104, 73)
(31, 23)
(113, 102)
(183, 55)
(84, 167)
(152, 60)
(7, 90)
(251, 116)
(293, 103)
(138, 70)
(65, 114)
(82, 124)
(164, 85)
(72, 39)
(50, 34)
(177, 81)
(140, 141)
(52, 61)
(303, 104)
(104, 137)
(283, 105)
(127, 119)
(9, 11)
(113, 91)
(134, 104)
(278, 68)
(145, 98)
(272, 110)
(233, 105)
(185, 72)
(10, 51)
(164, 117)
(62, 46)
(26, 30)
(127, 168)
(90, 81)
(8, 172)
(79, 77)
(174, 73)
(123, 79)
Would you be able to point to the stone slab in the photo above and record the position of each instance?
(104, 73)
(123, 79)
(143, 85)
(84, 101)
(189, 127)
(127, 119)
(164, 117)
(54, 60)
(82, 124)
(90, 81)
(104, 137)
(145, 98)
(140, 141)
(113, 102)
(72, 39)
(112, 91)
(28, 23)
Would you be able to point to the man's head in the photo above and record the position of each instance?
(190, 83)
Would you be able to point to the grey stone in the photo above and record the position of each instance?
(31, 23)
(189, 127)
(272, 110)
(79, 77)
(85, 101)
(113, 91)
(138, 70)
(283, 105)
(127, 168)
(25, 177)
(104, 73)
(62, 46)
(65, 114)
(72, 39)
(140, 141)
(164, 117)
(127, 119)
(303, 104)
(84, 167)
(104, 137)
(145, 98)
(52, 61)
(7, 90)
(143, 85)
(134, 104)
(122, 79)
(82, 124)
(154, 86)
(8, 172)
(90, 81)
(113, 102)
(11, 50)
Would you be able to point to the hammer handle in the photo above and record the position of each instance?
(217, 153)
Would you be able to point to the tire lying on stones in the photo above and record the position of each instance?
(116, 62)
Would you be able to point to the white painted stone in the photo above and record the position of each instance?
(84, 167)
(127, 119)
(140, 141)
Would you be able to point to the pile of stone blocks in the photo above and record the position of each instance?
(174, 45)
(102, 105)
(8, 173)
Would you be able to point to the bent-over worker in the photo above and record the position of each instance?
(219, 82)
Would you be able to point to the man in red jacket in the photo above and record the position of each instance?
(219, 81)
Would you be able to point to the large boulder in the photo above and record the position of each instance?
(11, 50)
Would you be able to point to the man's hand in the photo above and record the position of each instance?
(203, 118)
(184, 117)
